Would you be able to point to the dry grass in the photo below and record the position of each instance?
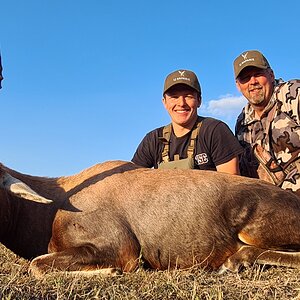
(253, 283)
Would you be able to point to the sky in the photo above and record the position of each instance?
(83, 79)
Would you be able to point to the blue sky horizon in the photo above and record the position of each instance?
(83, 79)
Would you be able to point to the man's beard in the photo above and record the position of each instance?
(258, 97)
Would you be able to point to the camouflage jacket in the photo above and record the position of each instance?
(272, 143)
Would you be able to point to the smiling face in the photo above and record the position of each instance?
(256, 85)
(182, 103)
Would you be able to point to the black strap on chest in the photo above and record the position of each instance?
(167, 130)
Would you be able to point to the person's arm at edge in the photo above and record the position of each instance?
(231, 167)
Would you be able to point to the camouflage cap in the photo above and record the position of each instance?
(250, 58)
(184, 77)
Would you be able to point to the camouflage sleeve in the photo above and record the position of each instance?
(288, 95)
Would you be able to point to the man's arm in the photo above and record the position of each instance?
(225, 148)
(145, 153)
(231, 167)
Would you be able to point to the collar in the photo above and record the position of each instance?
(249, 112)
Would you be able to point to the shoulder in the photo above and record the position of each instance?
(287, 96)
(289, 83)
(218, 141)
(212, 124)
(208, 121)
(288, 90)
(215, 131)
(151, 139)
(146, 152)
(155, 133)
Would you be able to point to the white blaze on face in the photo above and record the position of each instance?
(21, 189)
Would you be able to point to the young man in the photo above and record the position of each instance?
(189, 141)
(268, 127)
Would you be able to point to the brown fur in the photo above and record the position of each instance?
(118, 216)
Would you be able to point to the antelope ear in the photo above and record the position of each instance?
(21, 189)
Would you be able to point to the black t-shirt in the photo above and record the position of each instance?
(215, 145)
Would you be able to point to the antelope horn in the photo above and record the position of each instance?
(21, 189)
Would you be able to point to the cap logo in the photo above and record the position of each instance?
(245, 59)
(181, 73)
(181, 76)
(245, 55)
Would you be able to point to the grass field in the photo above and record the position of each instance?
(257, 282)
